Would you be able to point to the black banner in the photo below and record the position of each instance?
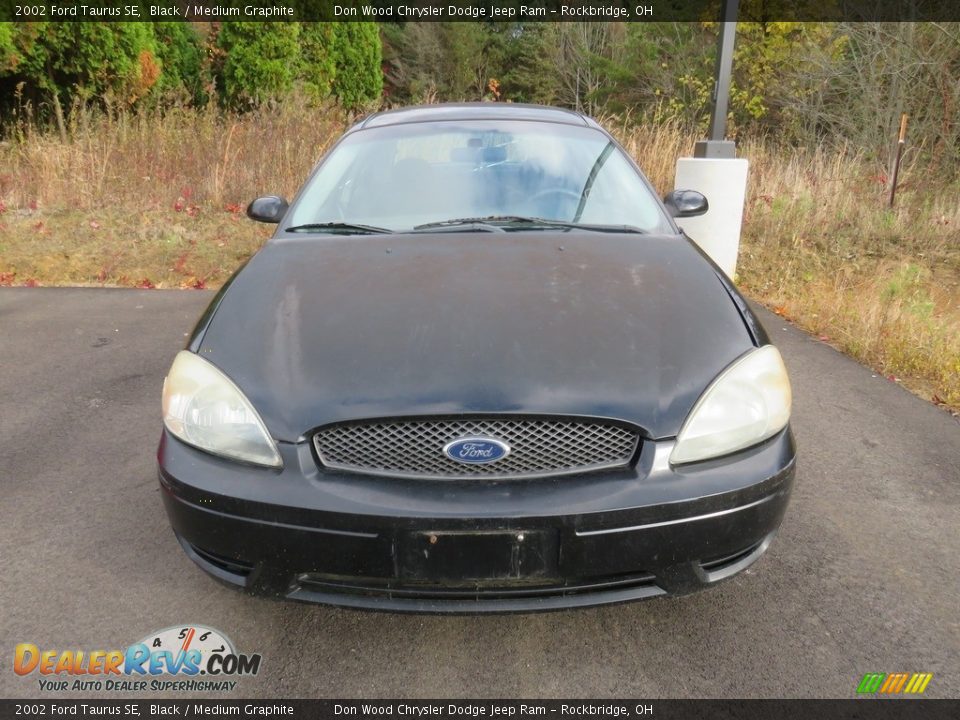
(859, 709)
(473, 10)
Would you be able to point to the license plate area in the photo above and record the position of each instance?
(477, 558)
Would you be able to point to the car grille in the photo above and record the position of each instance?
(414, 448)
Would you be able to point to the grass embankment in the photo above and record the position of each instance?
(148, 201)
(158, 202)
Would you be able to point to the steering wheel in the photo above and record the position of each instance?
(562, 196)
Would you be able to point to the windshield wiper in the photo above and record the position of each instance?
(467, 221)
(533, 222)
(344, 227)
(484, 224)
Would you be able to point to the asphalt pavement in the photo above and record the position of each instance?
(864, 577)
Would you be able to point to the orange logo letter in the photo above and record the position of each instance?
(25, 658)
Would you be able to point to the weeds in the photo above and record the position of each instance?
(820, 247)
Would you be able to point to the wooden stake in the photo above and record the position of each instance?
(896, 162)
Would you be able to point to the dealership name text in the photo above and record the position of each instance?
(486, 710)
(437, 11)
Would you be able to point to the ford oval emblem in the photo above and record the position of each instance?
(476, 450)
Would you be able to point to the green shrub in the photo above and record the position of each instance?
(180, 49)
(261, 61)
(358, 55)
(342, 59)
(318, 66)
(9, 57)
(115, 61)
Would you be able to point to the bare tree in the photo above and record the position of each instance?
(575, 51)
(858, 94)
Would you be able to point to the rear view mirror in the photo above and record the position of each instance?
(685, 203)
(267, 209)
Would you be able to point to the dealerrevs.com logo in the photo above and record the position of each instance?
(185, 658)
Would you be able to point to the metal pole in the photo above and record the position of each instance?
(717, 146)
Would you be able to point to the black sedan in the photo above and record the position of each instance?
(477, 368)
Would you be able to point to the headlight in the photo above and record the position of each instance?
(747, 404)
(203, 407)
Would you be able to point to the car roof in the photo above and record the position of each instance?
(475, 111)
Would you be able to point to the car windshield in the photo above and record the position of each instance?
(506, 174)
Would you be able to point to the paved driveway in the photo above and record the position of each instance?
(864, 577)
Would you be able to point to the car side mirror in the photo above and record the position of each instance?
(685, 203)
(267, 209)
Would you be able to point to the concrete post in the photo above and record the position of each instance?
(724, 182)
(715, 170)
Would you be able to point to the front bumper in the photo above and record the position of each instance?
(458, 546)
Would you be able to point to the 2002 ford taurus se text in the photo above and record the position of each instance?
(478, 367)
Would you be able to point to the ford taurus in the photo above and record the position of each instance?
(478, 367)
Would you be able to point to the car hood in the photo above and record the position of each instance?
(318, 330)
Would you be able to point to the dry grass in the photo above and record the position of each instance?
(151, 201)
(821, 247)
